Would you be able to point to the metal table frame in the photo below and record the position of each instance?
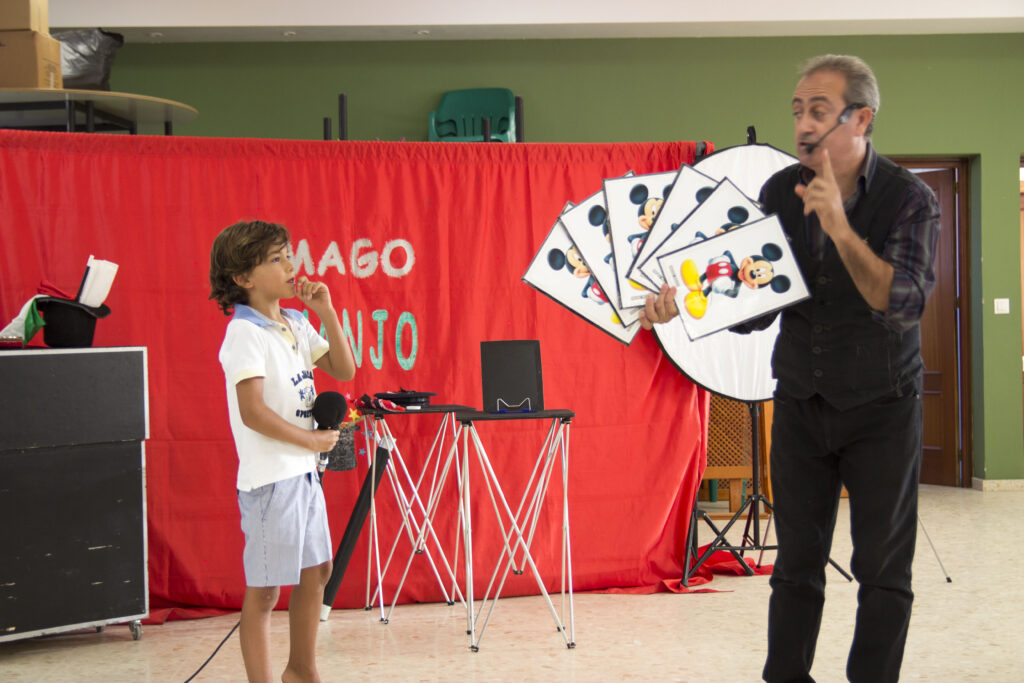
(516, 529)
(417, 516)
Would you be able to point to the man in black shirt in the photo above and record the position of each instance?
(847, 407)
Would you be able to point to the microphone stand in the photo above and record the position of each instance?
(378, 463)
(751, 506)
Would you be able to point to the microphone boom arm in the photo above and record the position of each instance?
(844, 116)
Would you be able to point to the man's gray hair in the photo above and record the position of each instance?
(861, 85)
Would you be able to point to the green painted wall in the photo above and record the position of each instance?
(941, 95)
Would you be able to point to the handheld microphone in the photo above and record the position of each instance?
(329, 409)
(844, 116)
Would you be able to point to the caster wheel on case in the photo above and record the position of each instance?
(136, 628)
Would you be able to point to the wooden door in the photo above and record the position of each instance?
(940, 346)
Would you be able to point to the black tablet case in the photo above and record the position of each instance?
(511, 376)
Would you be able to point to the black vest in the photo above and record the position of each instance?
(830, 344)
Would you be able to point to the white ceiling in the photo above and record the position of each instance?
(330, 20)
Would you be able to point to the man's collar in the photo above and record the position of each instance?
(250, 314)
(864, 178)
(867, 171)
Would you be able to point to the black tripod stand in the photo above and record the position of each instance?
(751, 506)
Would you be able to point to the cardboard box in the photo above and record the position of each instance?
(29, 59)
(24, 15)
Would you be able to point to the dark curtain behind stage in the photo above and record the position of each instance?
(423, 246)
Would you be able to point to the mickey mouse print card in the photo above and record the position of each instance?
(733, 277)
(633, 205)
(721, 209)
(559, 271)
(689, 189)
(587, 225)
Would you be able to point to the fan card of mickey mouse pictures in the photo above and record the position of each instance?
(559, 271)
(633, 204)
(733, 277)
(587, 225)
(722, 209)
(690, 188)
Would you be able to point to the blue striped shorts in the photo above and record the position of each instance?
(285, 526)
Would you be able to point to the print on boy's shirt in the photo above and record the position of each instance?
(304, 375)
(307, 394)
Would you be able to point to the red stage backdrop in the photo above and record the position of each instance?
(423, 246)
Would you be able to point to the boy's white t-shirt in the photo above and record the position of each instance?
(256, 346)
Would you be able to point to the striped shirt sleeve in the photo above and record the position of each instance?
(910, 250)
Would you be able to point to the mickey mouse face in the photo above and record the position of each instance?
(575, 262)
(648, 206)
(648, 212)
(571, 260)
(757, 273)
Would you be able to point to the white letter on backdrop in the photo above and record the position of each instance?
(365, 265)
(302, 259)
(385, 258)
(331, 257)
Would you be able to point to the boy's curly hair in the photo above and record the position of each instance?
(237, 250)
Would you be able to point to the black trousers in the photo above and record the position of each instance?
(875, 451)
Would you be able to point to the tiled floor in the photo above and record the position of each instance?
(967, 630)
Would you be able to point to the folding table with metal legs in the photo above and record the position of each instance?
(415, 514)
(517, 529)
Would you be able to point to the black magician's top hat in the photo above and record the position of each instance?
(69, 323)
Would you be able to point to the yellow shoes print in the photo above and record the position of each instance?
(695, 302)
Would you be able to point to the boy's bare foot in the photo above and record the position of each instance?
(291, 675)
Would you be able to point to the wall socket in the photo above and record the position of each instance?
(1002, 306)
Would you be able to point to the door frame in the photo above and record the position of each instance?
(963, 304)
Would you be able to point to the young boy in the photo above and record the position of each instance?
(268, 356)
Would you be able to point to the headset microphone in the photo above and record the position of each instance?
(844, 116)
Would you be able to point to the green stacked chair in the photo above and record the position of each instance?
(461, 114)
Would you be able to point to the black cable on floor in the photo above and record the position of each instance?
(214, 652)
